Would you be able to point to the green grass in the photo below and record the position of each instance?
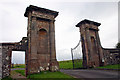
(47, 74)
(78, 63)
(19, 66)
(7, 78)
(21, 72)
(69, 64)
(116, 66)
(50, 75)
(66, 64)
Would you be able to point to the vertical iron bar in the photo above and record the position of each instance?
(72, 58)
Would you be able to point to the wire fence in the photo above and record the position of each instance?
(76, 53)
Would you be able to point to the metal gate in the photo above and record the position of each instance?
(76, 53)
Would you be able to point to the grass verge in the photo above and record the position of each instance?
(116, 66)
(21, 72)
(50, 75)
(19, 66)
(7, 78)
(47, 75)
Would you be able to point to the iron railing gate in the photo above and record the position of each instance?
(76, 53)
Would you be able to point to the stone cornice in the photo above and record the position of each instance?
(88, 22)
(43, 10)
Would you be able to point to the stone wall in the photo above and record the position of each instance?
(5, 61)
(111, 56)
(5, 55)
(0, 61)
(6, 58)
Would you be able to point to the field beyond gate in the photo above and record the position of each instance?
(68, 64)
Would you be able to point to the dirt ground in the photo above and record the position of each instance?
(17, 76)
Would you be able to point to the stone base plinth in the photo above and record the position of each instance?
(54, 65)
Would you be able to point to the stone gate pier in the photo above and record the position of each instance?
(41, 40)
(94, 54)
(39, 45)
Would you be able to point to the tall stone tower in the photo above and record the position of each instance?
(41, 53)
(91, 46)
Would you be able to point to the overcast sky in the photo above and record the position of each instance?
(13, 24)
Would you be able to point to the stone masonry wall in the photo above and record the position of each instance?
(111, 56)
(0, 61)
(6, 58)
(5, 55)
(5, 61)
